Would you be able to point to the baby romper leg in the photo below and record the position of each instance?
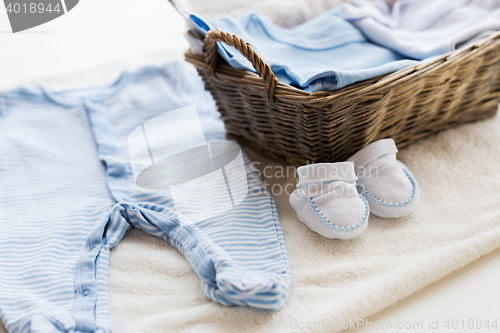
(239, 254)
(52, 193)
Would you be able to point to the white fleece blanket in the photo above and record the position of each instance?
(153, 289)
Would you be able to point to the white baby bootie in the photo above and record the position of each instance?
(385, 182)
(327, 201)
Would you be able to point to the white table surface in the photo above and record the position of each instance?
(98, 39)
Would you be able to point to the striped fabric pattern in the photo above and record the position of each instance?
(67, 196)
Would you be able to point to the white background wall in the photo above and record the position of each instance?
(93, 33)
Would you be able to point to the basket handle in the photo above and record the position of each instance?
(263, 69)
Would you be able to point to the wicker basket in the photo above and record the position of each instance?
(290, 124)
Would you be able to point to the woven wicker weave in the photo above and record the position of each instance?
(290, 124)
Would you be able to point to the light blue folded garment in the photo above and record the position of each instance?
(424, 28)
(325, 53)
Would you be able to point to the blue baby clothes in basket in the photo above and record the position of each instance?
(324, 53)
(424, 28)
(68, 194)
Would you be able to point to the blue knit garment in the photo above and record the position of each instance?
(67, 195)
(324, 53)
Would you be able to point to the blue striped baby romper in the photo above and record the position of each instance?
(67, 196)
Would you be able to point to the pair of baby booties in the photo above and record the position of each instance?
(335, 199)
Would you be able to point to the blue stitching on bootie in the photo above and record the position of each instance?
(389, 204)
(340, 228)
